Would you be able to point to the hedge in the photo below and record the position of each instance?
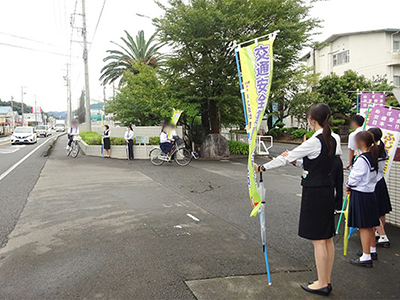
(93, 138)
(298, 133)
(238, 147)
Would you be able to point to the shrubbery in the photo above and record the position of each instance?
(298, 133)
(310, 134)
(276, 133)
(238, 147)
(93, 138)
(238, 131)
(280, 124)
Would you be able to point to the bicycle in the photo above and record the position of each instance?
(181, 155)
(74, 149)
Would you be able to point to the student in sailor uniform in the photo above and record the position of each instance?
(356, 123)
(165, 141)
(363, 210)
(381, 191)
(316, 156)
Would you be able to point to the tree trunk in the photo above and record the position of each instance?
(205, 120)
(214, 117)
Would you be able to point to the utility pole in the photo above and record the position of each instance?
(85, 59)
(13, 118)
(69, 108)
(35, 111)
(22, 105)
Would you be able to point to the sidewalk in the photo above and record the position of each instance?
(101, 229)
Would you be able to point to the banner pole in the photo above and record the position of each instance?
(241, 88)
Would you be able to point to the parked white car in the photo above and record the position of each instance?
(41, 130)
(24, 135)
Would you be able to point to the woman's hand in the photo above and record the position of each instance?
(257, 168)
(285, 154)
(348, 190)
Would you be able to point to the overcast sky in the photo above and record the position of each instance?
(47, 24)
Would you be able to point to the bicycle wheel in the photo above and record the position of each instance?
(75, 150)
(154, 153)
(183, 157)
(69, 150)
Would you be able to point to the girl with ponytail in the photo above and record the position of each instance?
(316, 156)
(381, 191)
(363, 211)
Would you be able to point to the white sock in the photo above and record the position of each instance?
(365, 257)
(372, 249)
(383, 239)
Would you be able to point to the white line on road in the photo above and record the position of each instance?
(193, 217)
(2, 176)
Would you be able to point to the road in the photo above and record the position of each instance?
(20, 166)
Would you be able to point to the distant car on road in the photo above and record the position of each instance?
(60, 127)
(24, 135)
(42, 130)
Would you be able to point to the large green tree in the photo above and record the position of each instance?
(201, 33)
(340, 92)
(131, 52)
(142, 98)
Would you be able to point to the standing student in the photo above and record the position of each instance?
(356, 123)
(381, 191)
(337, 173)
(316, 156)
(363, 211)
(129, 141)
(106, 140)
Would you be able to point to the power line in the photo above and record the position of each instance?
(28, 39)
(98, 22)
(37, 50)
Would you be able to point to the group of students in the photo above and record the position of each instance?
(128, 136)
(369, 198)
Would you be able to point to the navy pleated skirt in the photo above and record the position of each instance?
(317, 213)
(382, 198)
(363, 210)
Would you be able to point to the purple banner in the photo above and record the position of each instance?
(376, 98)
(384, 118)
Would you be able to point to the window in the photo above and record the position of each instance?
(396, 46)
(396, 80)
(341, 58)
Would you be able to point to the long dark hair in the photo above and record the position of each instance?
(377, 132)
(130, 127)
(368, 138)
(322, 114)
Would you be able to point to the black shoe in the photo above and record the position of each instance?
(374, 256)
(383, 244)
(325, 291)
(358, 263)
(329, 285)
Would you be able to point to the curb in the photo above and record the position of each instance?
(47, 152)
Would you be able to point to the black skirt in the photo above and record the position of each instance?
(317, 213)
(363, 210)
(106, 142)
(382, 198)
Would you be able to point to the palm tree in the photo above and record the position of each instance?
(132, 52)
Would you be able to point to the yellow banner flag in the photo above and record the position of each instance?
(256, 64)
(176, 114)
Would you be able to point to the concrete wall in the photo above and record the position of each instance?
(119, 152)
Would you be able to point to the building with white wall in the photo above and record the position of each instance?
(370, 53)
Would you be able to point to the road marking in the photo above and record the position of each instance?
(5, 143)
(2, 176)
(8, 151)
(193, 217)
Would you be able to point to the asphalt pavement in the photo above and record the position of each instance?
(17, 184)
(98, 228)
